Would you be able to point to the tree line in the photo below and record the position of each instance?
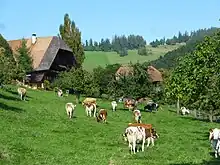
(119, 44)
(180, 38)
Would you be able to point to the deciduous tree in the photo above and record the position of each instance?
(72, 36)
(196, 79)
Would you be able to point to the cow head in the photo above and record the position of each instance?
(154, 133)
(124, 135)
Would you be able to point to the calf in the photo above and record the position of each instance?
(134, 135)
(102, 115)
(90, 107)
(70, 109)
(214, 137)
(114, 105)
(151, 134)
(184, 110)
(22, 92)
(137, 116)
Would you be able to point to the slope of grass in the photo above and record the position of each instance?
(38, 132)
(94, 59)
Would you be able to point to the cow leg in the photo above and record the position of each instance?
(94, 112)
(152, 141)
(90, 113)
(216, 153)
(143, 142)
(130, 146)
(148, 142)
(67, 112)
(21, 96)
(134, 146)
(70, 114)
(87, 112)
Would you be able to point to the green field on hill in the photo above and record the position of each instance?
(38, 131)
(94, 59)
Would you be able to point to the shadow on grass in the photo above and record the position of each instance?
(10, 108)
(8, 97)
(211, 162)
(14, 93)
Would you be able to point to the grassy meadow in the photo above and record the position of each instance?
(94, 59)
(38, 132)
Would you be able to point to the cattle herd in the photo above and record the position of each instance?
(135, 133)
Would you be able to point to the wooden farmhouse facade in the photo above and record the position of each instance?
(50, 56)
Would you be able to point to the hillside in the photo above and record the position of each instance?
(170, 59)
(38, 132)
(94, 58)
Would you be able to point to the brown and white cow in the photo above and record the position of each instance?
(134, 135)
(22, 92)
(102, 115)
(130, 104)
(70, 109)
(151, 133)
(90, 107)
(137, 116)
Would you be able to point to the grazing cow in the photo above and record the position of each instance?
(102, 115)
(137, 116)
(60, 92)
(151, 106)
(22, 92)
(89, 108)
(150, 133)
(134, 135)
(70, 109)
(214, 137)
(130, 104)
(114, 105)
(184, 110)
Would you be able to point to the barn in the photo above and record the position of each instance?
(50, 56)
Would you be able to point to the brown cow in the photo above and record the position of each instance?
(137, 116)
(102, 115)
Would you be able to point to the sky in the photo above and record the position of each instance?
(98, 19)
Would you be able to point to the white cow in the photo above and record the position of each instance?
(22, 92)
(70, 109)
(89, 108)
(59, 92)
(184, 110)
(114, 105)
(214, 137)
(135, 135)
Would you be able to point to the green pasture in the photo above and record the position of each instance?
(94, 59)
(38, 132)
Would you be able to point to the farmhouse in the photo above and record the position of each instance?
(50, 56)
(154, 74)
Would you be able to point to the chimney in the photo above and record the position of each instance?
(33, 38)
